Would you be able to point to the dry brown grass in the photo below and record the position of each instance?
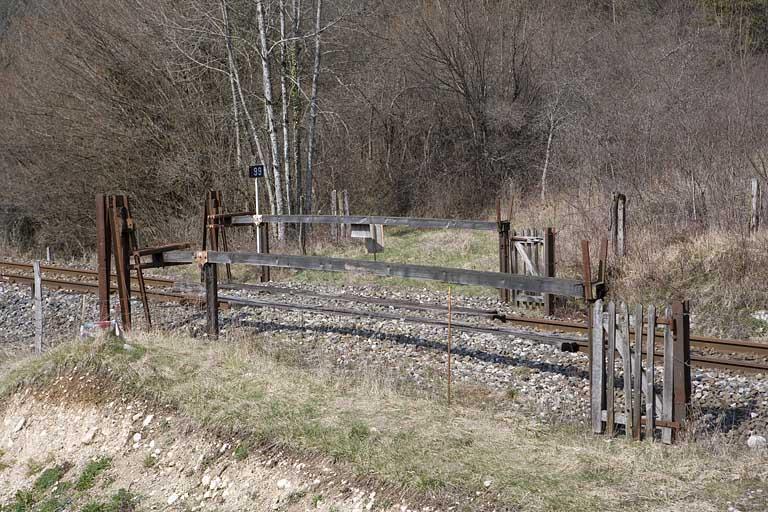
(417, 444)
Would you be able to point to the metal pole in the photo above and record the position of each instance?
(104, 250)
(211, 300)
(38, 292)
(449, 346)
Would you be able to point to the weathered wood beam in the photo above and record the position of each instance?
(535, 284)
(246, 219)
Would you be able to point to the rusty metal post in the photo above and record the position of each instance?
(211, 299)
(503, 228)
(264, 234)
(549, 268)
(754, 221)
(121, 252)
(104, 255)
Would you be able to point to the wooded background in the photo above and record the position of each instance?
(431, 107)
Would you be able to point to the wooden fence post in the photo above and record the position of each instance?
(504, 242)
(597, 367)
(104, 255)
(650, 391)
(682, 361)
(38, 293)
(211, 299)
(347, 227)
(667, 392)
(619, 224)
(334, 212)
(549, 268)
(757, 206)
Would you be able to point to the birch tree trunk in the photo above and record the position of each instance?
(235, 75)
(285, 106)
(546, 158)
(296, 103)
(235, 100)
(313, 109)
(270, 114)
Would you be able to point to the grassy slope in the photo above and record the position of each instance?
(410, 442)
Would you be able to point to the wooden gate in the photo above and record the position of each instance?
(664, 394)
(532, 253)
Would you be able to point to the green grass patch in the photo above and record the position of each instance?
(49, 478)
(92, 470)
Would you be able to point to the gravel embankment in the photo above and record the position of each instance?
(518, 373)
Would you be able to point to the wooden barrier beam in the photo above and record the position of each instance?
(247, 219)
(536, 284)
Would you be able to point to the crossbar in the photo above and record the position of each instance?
(246, 219)
(535, 284)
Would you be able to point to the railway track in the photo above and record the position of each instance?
(533, 327)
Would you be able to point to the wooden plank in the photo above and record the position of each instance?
(682, 379)
(611, 368)
(597, 367)
(650, 393)
(626, 359)
(38, 292)
(565, 287)
(667, 392)
(249, 219)
(586, 270)
(637, 374)
(346, 212)
(335, 213)
(523, 249)
(211, 299)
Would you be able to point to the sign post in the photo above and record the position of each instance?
(257, 171)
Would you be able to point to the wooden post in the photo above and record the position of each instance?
(211, 299)
(504, 242)
(48, 255)
(626, 359)
(38, 292)
(682, 360)
(669, 376)
(334, 212)
(597, 367)
(754, 222)
(104, 254)
(650, 392)
(549, 268)
(586, 270)
(449, 345)
(611, 370)
(619, 224)
(637, 377)
(347, 227)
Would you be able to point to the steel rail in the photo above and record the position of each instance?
(579, 343)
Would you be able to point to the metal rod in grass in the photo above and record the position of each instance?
(449, 346)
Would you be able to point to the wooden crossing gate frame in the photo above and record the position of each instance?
(612, 331)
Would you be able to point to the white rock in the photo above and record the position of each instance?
(173, 498)
(487, 483)
(756, 442)
(206, 480)
(283, 484)
(148, 420)
(137, 437)
(152, 444)
(137, 416)
(88, 437)
(19, 425)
